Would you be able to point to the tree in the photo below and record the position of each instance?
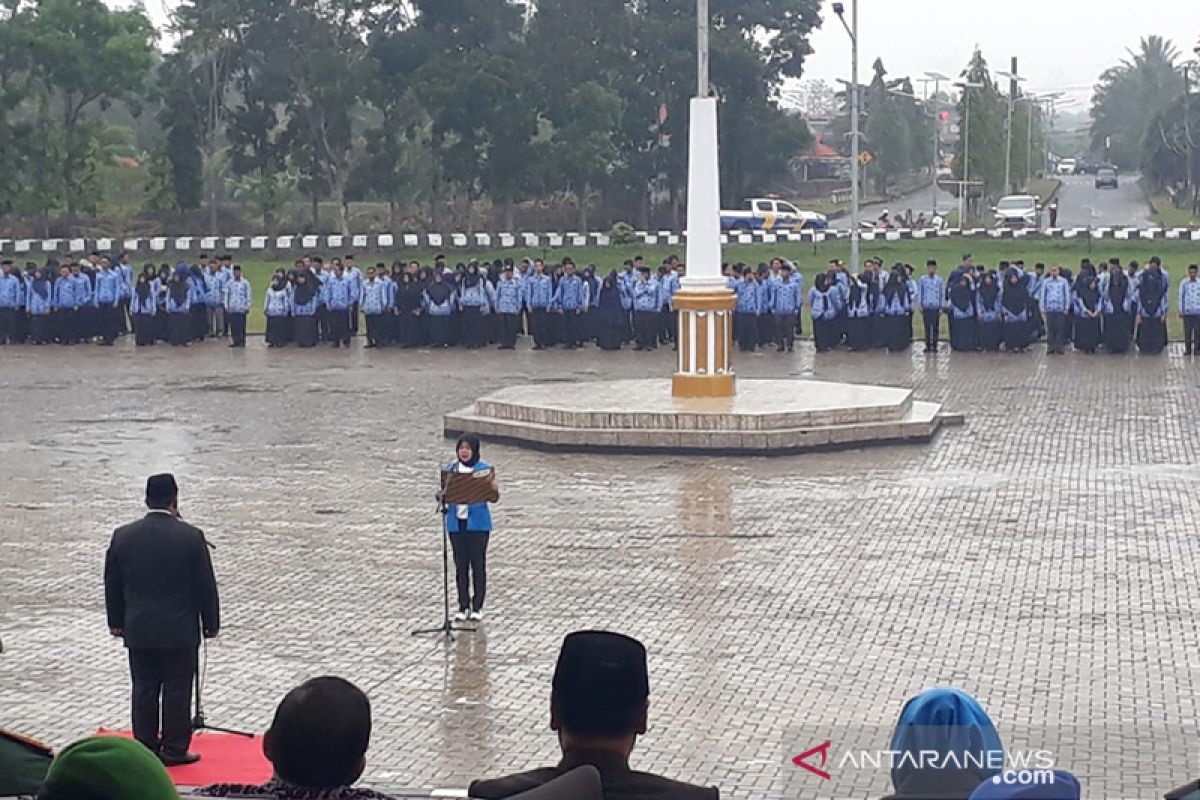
(182, 118)
(1129, 95)
(986, 131)
(83, 55)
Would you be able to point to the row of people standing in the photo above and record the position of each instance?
(1108, 306)
(475, 305)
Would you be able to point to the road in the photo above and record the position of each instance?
(1082, 205)
(917, 201)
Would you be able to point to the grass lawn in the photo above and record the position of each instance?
(809, 257)
(1170, 217)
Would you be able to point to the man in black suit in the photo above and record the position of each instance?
(160, 592)
(598, 706)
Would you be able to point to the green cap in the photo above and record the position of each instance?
(109, 768)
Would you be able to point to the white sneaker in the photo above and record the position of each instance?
(460, 616)
(476, 616)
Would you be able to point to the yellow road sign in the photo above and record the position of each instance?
(865, 158)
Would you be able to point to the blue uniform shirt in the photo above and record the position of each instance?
(375, 296)
(1189, 297)
(507, 296)
(1055, 295)
(930, 291)
(787, 296)
(747, 296)
(539, 291)
(237, 296)
(339, 292)
(10, 291)
(572, 293)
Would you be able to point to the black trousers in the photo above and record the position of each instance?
(538, 322)
(785, 330)
(645, 325)
(1056, 332)
(8, 325)
(470, 567)
(164, 673)
(354, 319)
(933, 320)
(237, 328)
(339, 326)
(375, 329)
(572, 328)
(1191, 334)
(509, 323)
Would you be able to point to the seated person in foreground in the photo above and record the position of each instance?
(950, 746)
(107, 768)
(598, 706)
(317, 744)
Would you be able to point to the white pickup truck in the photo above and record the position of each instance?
(769, 214)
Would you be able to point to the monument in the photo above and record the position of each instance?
(702, 409)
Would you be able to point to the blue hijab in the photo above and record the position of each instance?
(1065, 787)
(946, 720)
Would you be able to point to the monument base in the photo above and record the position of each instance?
(766, 417)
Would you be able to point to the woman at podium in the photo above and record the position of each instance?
(469, 524)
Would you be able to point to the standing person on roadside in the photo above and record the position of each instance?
(236, 299)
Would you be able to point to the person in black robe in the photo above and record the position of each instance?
(41, 329)
(439, 292)
(591, 317)
(962, 315)
(989, 332)
(143, 323)
(1015, 302)
(860, 309)
(179, 322)
(1117, 316)
(1087, 312)
(408, 311)
(305, 327)
(897, 311)
(611, 318)
(1151, 314)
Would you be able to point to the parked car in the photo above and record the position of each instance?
(1106, 178)
(1017, 211)
(769, 214)
(1065, 167)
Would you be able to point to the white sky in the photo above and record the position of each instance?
(1063, 45)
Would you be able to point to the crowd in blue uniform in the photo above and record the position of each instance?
(1106, 306)
(99, 298)
(474, 305)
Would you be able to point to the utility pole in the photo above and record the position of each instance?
(1187, 134)
(937, 79)
(1013, 79)
(855, 143)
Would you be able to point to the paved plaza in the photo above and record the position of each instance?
(1043, 558)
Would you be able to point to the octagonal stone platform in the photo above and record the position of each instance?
(766, 417)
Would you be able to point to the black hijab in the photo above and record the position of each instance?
(143, 287)
(1088, 289)
(960, 293)
(1151, 289)
(471, 278)
(179, 287)
(473, 441)
(988, 289)
(41, 284)
(856, 290)
(439, 291)
(1016, 295)
(305, 290)
(896, 284)
(1118, 288)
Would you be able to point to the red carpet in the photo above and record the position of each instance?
(223, 759)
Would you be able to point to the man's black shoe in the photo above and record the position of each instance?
(178, 759)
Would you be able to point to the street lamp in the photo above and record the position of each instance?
(1014, 79)
(966, 86)
(937, 79)
(852, 29)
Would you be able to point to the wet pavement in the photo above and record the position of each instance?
(1042, 558)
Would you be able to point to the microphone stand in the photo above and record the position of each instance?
(447, 628)
(199, 722)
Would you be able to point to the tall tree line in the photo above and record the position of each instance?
(435, 103)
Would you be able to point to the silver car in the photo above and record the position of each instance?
(1017, 211)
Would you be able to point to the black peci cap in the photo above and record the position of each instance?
(601, 682)
(161, 489)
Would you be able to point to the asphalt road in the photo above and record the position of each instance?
(917, 201)
(1081, 204)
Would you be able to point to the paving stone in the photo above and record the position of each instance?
(1042, 557)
